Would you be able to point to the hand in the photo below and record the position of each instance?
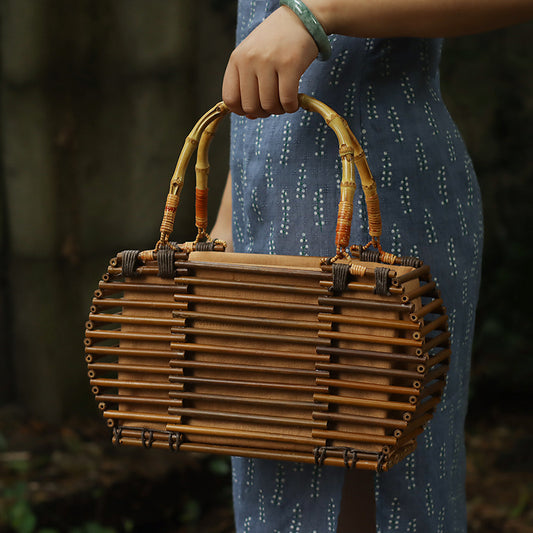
(264, 71)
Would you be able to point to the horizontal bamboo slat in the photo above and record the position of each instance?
(364, 402)
(240, 285)
(118, 318)
(245, 434)
(238, 319)
(267, 337)
(363, 287)
(253, 418)
(375, 305)
(128, 335)
(140, 417)
(346, 374)
(119, 286)
(117, 351)
(279, 455)
(390, 423)
(131, 384)
(275, 402)
(375, 355)
(282, 272)
(146, 369)
(373, 339)
(142, 400)
(375, 371)
(137, 304)
(367, 386)
(296, 387)
(261, 369)
(368, 321)
(254, 303)
(421, 272)
(353, 438)
(435, 306)
(251, 352)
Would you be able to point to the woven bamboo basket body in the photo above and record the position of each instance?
(338, 362)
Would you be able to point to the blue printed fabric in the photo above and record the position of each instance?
(286, 176)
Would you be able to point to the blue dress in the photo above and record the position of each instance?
(286, 177)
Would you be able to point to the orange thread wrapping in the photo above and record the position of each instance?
(357, 270)
(344, 223)
(201, 208)
(374, 216)
(170, 213)
(387, 257)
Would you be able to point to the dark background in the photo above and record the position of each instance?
(96, 99)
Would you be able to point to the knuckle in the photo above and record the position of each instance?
(249, 108)
(272, 106)
(232, 101)
(288, 60)
(246, 55)
(229, 97)
(289, 103)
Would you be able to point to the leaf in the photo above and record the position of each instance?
(22, 519)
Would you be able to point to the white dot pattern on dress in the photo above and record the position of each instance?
(286, 176)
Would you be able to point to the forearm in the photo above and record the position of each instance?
(418, 18)
(264, 71)
(223, 226)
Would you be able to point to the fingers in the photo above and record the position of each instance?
(263, 73)
(231, 91)
(267, 87)
(259, 92)
(288, 92)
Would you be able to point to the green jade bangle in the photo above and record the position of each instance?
(312, 25)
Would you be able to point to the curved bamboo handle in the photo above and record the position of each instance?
(178, 178)
(350, 153)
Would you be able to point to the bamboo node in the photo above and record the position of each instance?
(346, 151)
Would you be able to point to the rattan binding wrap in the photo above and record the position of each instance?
(338, 362)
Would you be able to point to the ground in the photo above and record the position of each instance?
(69, 478)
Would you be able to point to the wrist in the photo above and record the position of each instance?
(312, 25)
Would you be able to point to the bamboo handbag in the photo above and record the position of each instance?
(336, 361)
